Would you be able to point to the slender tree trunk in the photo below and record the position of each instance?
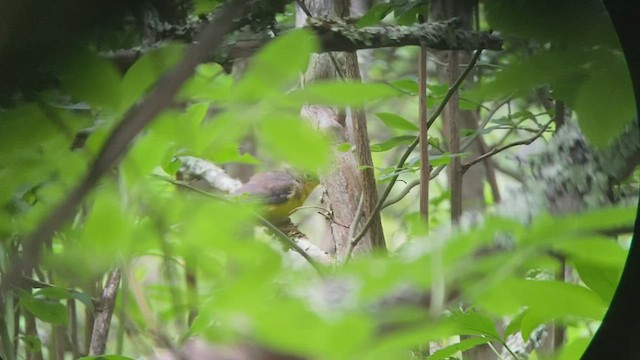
(352, 175)
(473, 181)
(466, 191)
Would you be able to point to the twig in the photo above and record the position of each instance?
(413, 144)
(117, 143)
(425, 165)
(354, 227)
(528, 141)
(411, 185)
(455, 166)
(102, 322)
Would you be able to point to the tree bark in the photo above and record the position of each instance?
(352, 175)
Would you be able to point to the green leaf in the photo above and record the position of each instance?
(595, 250)
(48, 311)
(92, 78)
(474, 323)
(147, 70)
(515, 324)
(292, 139)
(392, 142)
(277, 65)
(545, 300)
(574, 349)
(32, 343)
(605, 103)
(448, 351)
(407, 85)
(375, 14)
(209, 83)
(601, 279)
(344, 93)
(588, 25)
(396, 121)
(53, 292)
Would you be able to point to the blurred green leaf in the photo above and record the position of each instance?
(545, 300)
(375, 14)
(448, 351)
(344, 93)
(46, 310)
(292, 139)
(92, 78)
(408, 85)
(602, 120)
(277, 65)
(146, 71)
(574, 349)
(603, 280)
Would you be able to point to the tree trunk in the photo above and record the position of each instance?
(352, 175)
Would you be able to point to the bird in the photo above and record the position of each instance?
(279, 192)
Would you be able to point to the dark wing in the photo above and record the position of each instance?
(273, 187)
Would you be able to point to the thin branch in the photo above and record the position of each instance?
(452, 120)
(354, 227)
(411, 185)
(413, 144)
(528, 141)
(102, 323)
(425, 165)
(118, 141)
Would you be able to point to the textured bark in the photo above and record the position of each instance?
(473, 181)
(467, 191)
(102, 323)
(351, 176)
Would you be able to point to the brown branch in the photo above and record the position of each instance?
(425, 165)
(102, 322)
(452, 119)
(115, 146)
(344, 35)
(494, 151)
(340, 35)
